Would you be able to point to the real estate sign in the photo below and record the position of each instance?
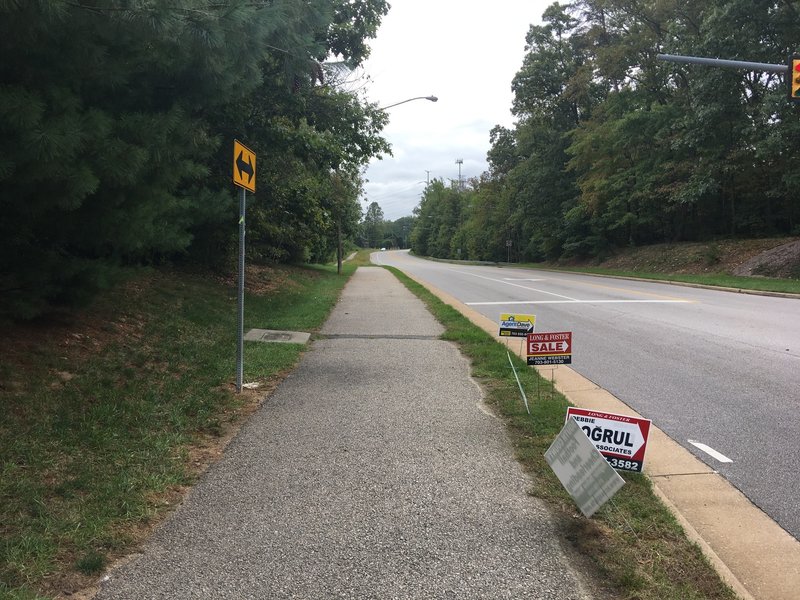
(550, 348)
(516, 325)
(621, 439)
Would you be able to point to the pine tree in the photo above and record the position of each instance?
(116, 120)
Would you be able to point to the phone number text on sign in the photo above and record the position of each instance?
(550, 348)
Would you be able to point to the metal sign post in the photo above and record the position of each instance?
(244, 176)
(240, 322)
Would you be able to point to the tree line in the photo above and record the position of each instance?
(377, 232)
(117, 119)
(612, 147)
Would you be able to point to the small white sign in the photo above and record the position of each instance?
(581, 469)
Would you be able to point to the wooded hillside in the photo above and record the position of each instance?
(117, 119)
(614, 148)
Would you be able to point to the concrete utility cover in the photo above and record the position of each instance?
(280, 337)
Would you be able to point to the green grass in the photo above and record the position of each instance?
(361, 259)
(762, 284)
(634, 545)
(99, 416)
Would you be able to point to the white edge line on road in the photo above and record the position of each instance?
(711, 452)
(579, 302)
(530, 289)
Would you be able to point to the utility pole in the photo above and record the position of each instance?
(459, 162)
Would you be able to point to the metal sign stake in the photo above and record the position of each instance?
(240, 327)
(244, 176)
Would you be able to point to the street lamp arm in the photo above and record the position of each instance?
(431, 98)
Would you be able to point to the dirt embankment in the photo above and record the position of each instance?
(770, 257)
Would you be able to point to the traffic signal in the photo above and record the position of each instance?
(794, 78)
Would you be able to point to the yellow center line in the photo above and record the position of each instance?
(629, 291)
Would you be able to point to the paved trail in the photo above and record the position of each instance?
(374, 471)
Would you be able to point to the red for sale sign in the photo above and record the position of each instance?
(550, 348)
(621, 439)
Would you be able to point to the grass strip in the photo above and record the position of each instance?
(108, 413)
(634, 545)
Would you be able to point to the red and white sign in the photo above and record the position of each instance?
(621, 439)
(550, 348)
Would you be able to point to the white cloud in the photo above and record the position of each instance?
(466, 53)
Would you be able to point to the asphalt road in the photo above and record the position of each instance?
(711, 367)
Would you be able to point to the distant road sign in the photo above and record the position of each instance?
(621, 439)
(244, 166)
(550, 348)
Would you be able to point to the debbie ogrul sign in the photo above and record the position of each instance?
(621, 439)
(581, 469)
(516, 325)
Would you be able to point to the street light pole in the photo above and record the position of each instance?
(431, 98)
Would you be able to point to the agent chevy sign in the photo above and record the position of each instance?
(621, 439)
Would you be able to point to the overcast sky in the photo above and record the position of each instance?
(464, 52)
